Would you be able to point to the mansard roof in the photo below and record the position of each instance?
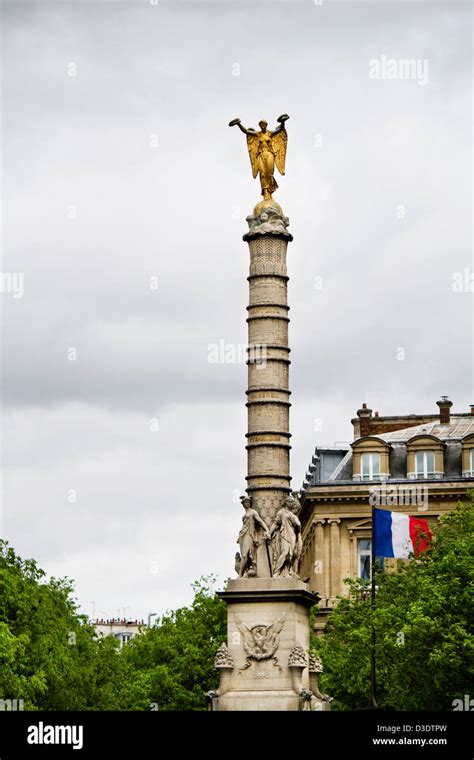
(453, 431)
(451, 434)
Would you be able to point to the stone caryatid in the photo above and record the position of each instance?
(287, 540)
(266, 148)
(249, 538)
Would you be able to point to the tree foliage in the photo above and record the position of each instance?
(51, 659)
(175, 658)
(423, 620)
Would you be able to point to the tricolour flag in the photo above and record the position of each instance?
(397, 535)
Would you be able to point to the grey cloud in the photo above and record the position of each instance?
(177, 213)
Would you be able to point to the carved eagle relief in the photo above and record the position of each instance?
(260, 641)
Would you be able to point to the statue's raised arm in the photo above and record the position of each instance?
(238, 123)
(281, 124)
(266, 148)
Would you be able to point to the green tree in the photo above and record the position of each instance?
(172, 664)
(51, 659)
(49, 656)
(423, 620)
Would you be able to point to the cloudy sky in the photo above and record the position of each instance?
(124, 202)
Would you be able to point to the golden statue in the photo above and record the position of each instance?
(266, 148)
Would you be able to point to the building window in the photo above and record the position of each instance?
(471, 461)
(424, 464)
(124, 638)
(364, 549)
(370, 466)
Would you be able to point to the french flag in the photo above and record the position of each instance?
(398, 536)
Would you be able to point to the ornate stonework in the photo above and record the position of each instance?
(261, 640)
(320, 701)
(268, 604)
(223, 658)
(297, 658)
(270, 221)
(268, 255)
(315, 663)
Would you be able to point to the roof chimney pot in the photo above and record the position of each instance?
(444, 410)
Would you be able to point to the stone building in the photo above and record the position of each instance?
(123, 630)
(415, 464)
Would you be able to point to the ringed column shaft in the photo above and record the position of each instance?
(268, 394)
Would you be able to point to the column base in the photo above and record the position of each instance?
(267, 644)
(286, 701)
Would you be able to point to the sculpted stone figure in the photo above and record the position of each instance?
(270, 221)
(248, 538)
(287, 541)
(266, 148)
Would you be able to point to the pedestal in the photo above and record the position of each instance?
(267, 645)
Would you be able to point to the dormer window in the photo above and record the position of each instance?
(425, 457)
(370, 465)
(370, 459)
(424, 464)
(468, 456)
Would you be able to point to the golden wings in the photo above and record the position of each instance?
(277, 144)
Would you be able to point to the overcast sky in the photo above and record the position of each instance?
(119, 168)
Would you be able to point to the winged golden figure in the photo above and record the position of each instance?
(266, 148)
(260, 641)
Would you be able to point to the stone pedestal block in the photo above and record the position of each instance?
(267, 644)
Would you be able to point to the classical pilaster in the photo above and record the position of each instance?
(335, 556)
(319, 568)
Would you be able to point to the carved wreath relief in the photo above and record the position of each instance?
(260, 641)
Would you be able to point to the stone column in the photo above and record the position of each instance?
(335, 557)
(268, 394)
(264, 664)
(319, 568)
(327, 566)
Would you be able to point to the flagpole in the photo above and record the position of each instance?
(373, 680)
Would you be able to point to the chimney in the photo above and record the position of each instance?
(444, 410)
(472, 408)
(364, 416)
